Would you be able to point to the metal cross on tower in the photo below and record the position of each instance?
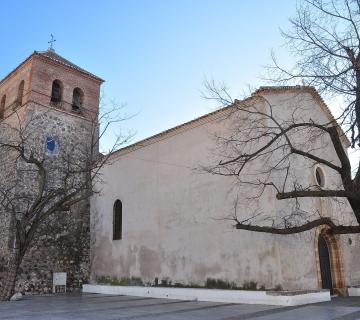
(51, 42)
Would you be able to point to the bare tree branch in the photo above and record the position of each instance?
(265, 145)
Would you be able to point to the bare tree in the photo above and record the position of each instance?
(38, 189)
(263, 145)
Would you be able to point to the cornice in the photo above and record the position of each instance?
(209, 117)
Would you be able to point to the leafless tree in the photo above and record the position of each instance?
(46, 187)
(262, 146)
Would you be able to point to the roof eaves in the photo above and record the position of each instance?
(60, 60)
(28, 58)
(313, 92)
(218, 113)
(180, 128)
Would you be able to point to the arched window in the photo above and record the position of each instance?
(20, 93)
(2, 106)
(78, 97)
(320, 177)
(56, 91)
(117, 220)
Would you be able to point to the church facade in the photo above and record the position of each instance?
(156, 215)
(174, 218)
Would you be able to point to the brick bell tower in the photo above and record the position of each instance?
(57, 103)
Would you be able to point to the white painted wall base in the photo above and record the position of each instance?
(354, 292)
(213, 295)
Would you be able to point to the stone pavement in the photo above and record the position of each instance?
(111, 307)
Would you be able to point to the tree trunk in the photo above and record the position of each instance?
(7, 289)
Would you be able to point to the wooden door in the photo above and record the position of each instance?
(325, 266)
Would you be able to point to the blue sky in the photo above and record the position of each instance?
(154, 54)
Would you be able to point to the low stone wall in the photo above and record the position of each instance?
(215, 295)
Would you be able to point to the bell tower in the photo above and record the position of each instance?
(54, 105)
(48, 79)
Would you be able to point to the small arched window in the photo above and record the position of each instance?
(2, 106)
(20, 93)
(56, 91)
(117, 220)
(78, 97)
(320, 177)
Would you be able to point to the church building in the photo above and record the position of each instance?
(157, 215)
(160, 217)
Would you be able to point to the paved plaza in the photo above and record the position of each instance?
(111, 307)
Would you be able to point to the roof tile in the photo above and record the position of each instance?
(52, 55)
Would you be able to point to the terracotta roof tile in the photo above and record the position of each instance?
(52, 55)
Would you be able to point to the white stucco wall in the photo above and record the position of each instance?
(173, 216)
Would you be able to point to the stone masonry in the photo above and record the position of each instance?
(62, 243)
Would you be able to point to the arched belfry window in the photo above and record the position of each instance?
(2, 106)
(56, 91)
(117, 220)
(20, 93)
(78, 97)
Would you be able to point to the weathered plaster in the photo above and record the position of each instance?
(176, 214)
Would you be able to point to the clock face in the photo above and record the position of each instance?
(51, 145)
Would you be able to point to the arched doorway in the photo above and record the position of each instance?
(325, 267)
(329, 262)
